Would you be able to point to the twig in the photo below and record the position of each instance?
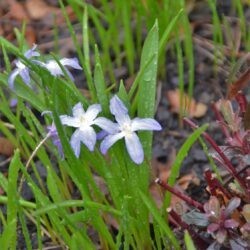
(30, 159)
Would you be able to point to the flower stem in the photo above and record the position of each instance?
(179, 194)
(214, 185)
(227, 162)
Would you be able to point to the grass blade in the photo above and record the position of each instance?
(147, 85)
(158, 218)
(100, 85)
(188, 241)
(182, 153)
(12, 203)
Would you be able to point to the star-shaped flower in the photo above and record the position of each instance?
(22, 69)
(54, 68)
(126, 128)
(83, 121)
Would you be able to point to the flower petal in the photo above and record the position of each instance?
(212, 227)
(109, 141)
(53, 67)
(107, 125)
(88, 137)
(118, 109)
(78, 110)
(56, 141)
(70, 121)
(52, 130)
(12, 77)
(75, 142)
(69, 74)
(13, 102)
(134, 148)
(72, 62)
(100, 135)
(92, 112)
(231, 223)
(31, 52)
(117, 106)
(24, 73)
(231, 206)
(221, 235)
(145, 124)
(212, 207)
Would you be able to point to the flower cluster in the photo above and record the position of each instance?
(82, 120)
(124, 127)
(52, 66)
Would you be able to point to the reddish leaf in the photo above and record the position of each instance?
(239, 84)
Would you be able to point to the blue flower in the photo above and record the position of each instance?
(126, 128)
(22, 69)
(84, 121)
(54, 68)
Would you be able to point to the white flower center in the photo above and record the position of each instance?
(20, 65)
(126, 129)
(83, 120)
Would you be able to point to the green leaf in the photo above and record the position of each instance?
(128, 34)
(147, 84)
(167, 32)
(100, 85)
(158, 218)
(78, 240)
(123, 95)
(25, 230)
(7, 235)
(12, 203)
(3, 182)
(78, 49)
(6, 59)
(188, 241)
(24, 91)
(182, 154)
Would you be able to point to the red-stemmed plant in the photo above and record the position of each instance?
(223, 221)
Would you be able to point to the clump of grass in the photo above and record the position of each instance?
(64, 219)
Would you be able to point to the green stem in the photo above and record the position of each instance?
(23, 203)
